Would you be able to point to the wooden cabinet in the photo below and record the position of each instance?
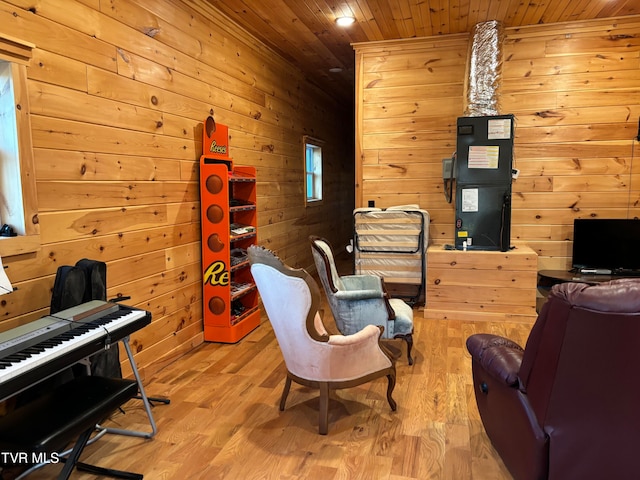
(229, 226)
(481, 285)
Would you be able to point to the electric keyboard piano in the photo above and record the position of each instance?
(35, 351)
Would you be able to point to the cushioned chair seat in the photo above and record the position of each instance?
(403, 323)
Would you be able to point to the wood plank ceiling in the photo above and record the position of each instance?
(305, 32)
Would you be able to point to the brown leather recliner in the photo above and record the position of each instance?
(567, 406)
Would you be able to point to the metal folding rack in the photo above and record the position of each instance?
(392, 244)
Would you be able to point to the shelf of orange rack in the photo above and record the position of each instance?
(229, 226)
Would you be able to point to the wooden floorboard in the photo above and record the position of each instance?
(223, 421)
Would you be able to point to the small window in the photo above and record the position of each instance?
(312, 170)
(11, 211)
(18, 199)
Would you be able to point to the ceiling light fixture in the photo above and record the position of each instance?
(335, 70)
(345, 21)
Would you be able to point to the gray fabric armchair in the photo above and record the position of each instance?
(360, 300)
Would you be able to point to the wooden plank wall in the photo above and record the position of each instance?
(118, 91)
(409, 94)
(575, 91)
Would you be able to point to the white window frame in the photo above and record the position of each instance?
(19, 207)
(313, 170)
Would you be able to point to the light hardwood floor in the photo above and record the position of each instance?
(223, 421)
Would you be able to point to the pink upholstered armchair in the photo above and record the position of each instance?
(313, 357)
(567, 406)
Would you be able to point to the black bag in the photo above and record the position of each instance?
(68, 288)
(86, 281)
(74, 285)
(96, 277)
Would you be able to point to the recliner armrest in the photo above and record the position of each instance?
(499, 356)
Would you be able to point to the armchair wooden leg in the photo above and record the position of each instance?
(324, 408)
(409, 339)
(285, 392)
(390, 386)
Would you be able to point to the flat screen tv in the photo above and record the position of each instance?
(607, 244)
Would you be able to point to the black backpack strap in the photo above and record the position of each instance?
(106, 363)
(96, 279)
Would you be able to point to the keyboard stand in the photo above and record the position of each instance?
(118, 431)
(142, 396)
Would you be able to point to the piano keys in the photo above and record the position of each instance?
(35, 351)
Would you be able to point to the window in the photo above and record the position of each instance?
(312, 170)
(18, 205)
(11, 204)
